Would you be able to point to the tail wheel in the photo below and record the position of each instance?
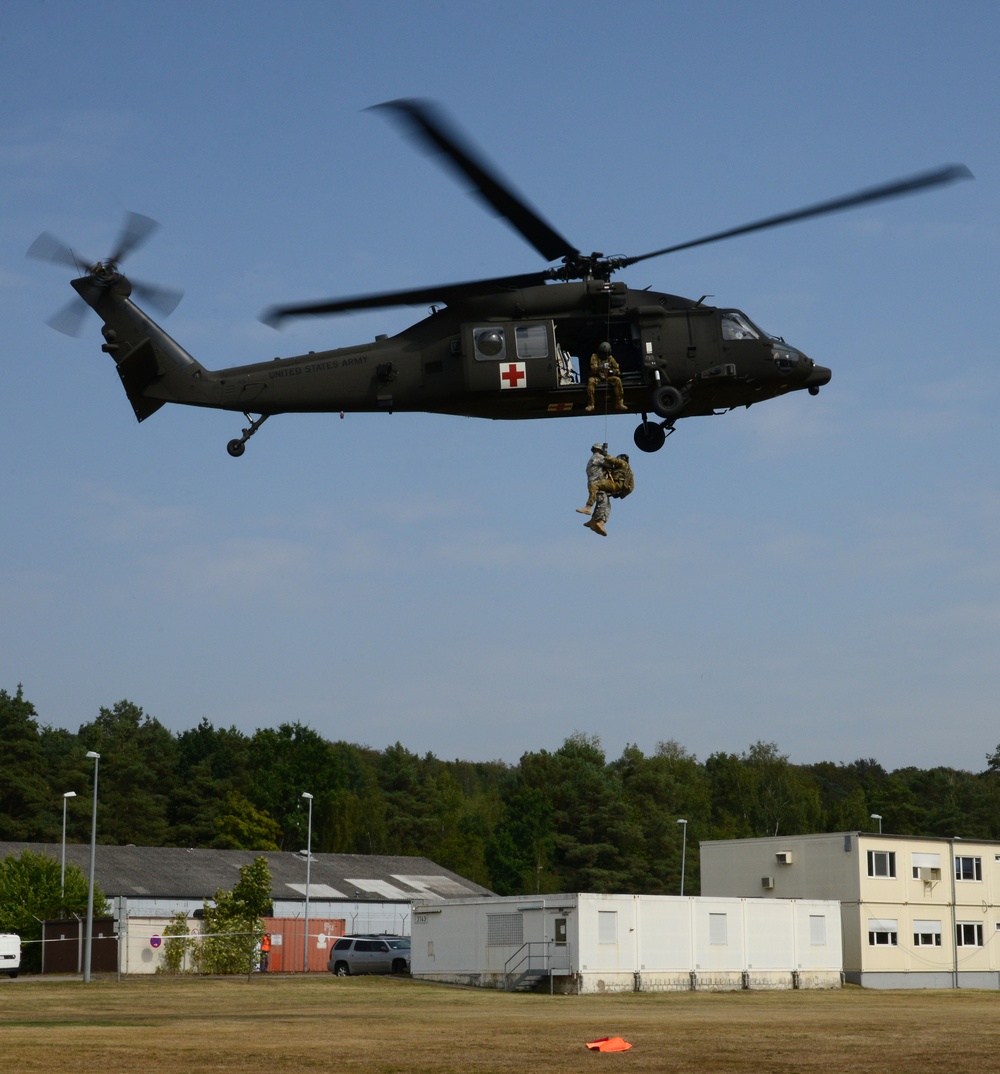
(668, 401)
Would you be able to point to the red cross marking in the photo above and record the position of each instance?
(513, 375)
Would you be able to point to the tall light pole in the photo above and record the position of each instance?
(62, 875)
(309, 839)
(878, 817)
(89, 942)
(684, 846)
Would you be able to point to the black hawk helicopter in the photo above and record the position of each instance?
(503, 347)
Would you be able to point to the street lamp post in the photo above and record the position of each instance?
(878, 817)
(62, 875)
(684, 845)
(309, 836)
(89, 942)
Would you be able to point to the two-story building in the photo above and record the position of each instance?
(915, 912)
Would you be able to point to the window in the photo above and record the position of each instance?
(718, 929)
(883, 932)
(926, 933)
(926, 866)
(736, 325)
(607, 926)
(532, 341)
(968, 868)
(969, 934)
(504, 930)
(882, 863)
(817, 930)
(490, 344)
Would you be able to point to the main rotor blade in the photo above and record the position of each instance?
(430, 126)
(136, 229)
(445, 292)
(896, 189)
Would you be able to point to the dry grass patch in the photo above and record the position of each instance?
(375, 1025)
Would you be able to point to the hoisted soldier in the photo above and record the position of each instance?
(604, 369)
(595, 474)
(615, 482)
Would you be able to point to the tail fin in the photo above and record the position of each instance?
(138, 370)
(154, 368)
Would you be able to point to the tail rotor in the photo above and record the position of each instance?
(135, 231)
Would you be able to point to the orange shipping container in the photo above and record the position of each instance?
(287, 938)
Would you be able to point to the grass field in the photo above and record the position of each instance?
(373, 1025)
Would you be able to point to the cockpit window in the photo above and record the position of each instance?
(736, 326)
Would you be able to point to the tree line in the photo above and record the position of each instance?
(567, 820)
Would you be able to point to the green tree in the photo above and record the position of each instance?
(25, 806)
(137, 767)
(233, 925)
(241, 826)
(177, 942)
(522, 843)
(212, 766)
(659, 791)
(760, 793)
(282, 764)
(595, 839)
(30, 894)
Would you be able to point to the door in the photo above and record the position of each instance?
(511, 357)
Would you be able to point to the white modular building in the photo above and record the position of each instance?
(586, 943)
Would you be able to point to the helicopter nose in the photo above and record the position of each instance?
(819, 376)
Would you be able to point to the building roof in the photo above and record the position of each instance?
(886, 835)
(174, 872)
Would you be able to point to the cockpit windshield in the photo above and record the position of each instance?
(736, 325)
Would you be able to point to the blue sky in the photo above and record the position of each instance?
(818, 572)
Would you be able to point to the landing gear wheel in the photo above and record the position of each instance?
(649, 436)
(668, 402)
(237, 447)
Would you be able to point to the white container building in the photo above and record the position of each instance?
(586, 943)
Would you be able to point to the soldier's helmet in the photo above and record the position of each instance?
(602, 448)
(604, 350)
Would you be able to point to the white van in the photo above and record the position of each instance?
(10, 953)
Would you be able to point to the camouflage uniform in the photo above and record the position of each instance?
(603, 367)
(611, 474)
(620, 479)
(619, 482)
(595, 473)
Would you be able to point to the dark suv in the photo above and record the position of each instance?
(369, 954)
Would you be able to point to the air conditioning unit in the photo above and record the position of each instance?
(784, 857)
(929, 874)
(767, 882)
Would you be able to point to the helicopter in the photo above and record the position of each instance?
(534, 345)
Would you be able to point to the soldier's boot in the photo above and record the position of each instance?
(591, 500)
(619, 398)
(597, 526)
